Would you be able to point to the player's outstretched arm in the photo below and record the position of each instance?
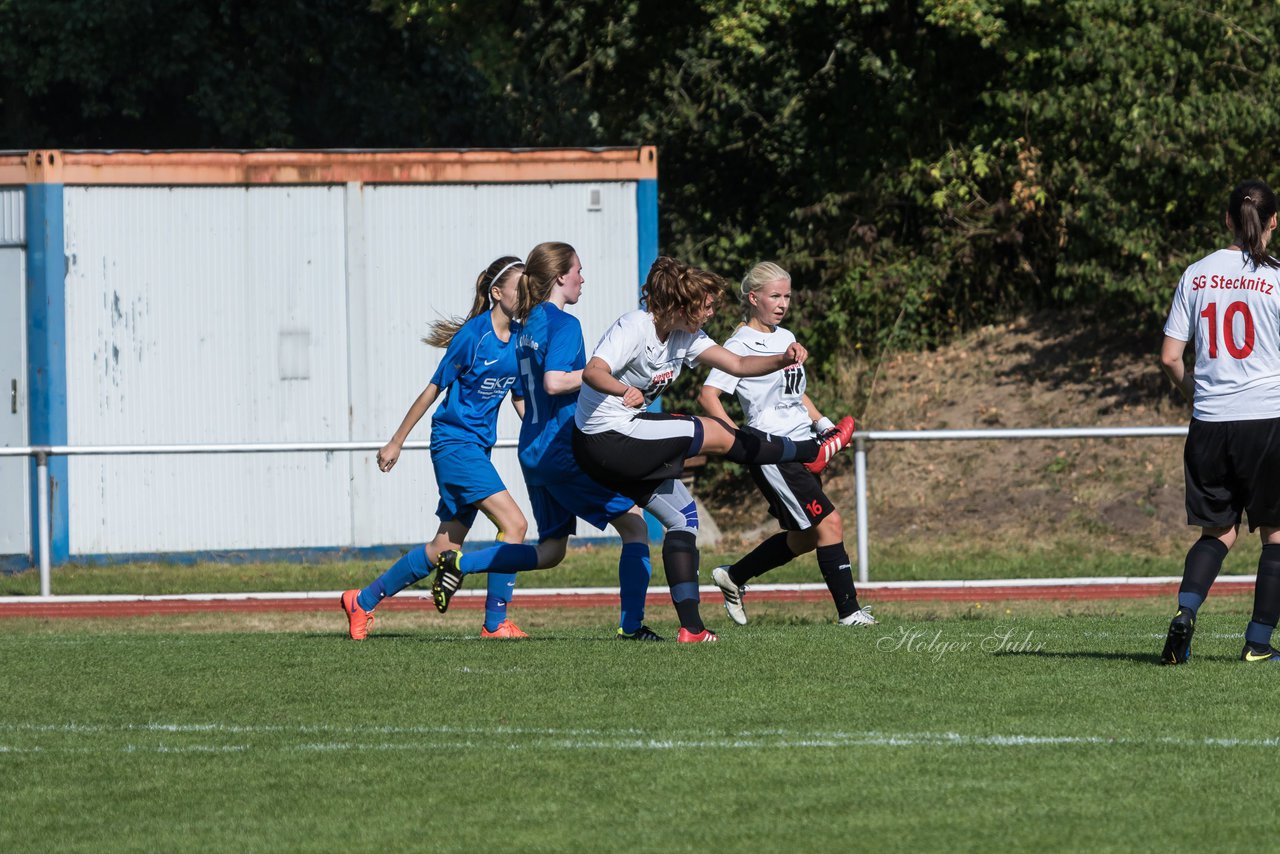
(391, 451)
(752, 366)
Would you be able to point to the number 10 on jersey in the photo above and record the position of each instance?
(1236, 351)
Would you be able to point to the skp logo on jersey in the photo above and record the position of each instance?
(496, 386)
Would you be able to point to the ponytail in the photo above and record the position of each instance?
(1250, 208)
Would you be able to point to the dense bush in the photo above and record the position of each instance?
(920, 166)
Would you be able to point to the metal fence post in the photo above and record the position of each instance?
(860, 495)
(42, 520)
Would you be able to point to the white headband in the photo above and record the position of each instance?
(502, 272)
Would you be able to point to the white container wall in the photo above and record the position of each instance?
(426, 246)
(290, 313)
(15, 478)
(205, 315)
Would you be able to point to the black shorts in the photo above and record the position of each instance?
(636, 465)
(794, 494)
(1233, 467)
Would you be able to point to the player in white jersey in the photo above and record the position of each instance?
(1228, 305)
(777, 403)
(641, 454)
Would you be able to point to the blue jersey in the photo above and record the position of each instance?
(550, 340)
(477, 371)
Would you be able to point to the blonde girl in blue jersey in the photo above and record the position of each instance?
(1228, 305)
(478, 371)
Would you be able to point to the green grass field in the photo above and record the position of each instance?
(1001, 727)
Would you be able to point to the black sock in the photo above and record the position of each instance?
(680, 562)
(1204, 560)
(771, 554)
(755, 447)
(1266, 593)
(833, 561)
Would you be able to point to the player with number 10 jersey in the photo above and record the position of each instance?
(1228, 305)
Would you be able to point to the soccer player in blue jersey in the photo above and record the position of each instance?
(477, 373)
(551, 357)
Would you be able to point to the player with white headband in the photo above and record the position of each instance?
(477, 373)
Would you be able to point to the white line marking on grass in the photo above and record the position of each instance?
(518, 738)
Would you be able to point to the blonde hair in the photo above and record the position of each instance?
(546, 263)
(442, 331)
(755, 279)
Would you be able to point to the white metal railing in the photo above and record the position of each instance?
(43, 452)
(860, 455)
(860, 439)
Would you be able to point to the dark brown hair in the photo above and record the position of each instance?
(1251, 207)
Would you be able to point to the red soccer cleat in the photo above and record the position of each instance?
(704, 636)
(359, 621)
(831, 443)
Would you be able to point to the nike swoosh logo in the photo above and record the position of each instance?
(1256, 656)
(488, 362)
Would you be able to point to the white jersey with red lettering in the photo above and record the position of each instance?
(637, 358)
(1230, 309)
(773, 403)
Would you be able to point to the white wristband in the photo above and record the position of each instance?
(822, 425)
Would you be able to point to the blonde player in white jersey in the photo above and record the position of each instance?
(641, 454)
(1228, 306)
(777, 403)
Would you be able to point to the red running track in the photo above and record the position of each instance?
(82, 607)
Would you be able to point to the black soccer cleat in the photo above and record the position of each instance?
(1254, 656)
(1177, 646)
(448, 579)
(644, 633)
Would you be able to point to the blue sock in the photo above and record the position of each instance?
(1189, 600)
(504, 557)
(1258, 634)
(502, 586)
(412, 566)
(634, 570)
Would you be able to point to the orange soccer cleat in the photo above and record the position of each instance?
(359, 621)
(505, 629)
(704, 636)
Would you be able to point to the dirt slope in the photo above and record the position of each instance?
(1038, 371)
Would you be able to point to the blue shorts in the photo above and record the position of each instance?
(557, 506)
(465, 477)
